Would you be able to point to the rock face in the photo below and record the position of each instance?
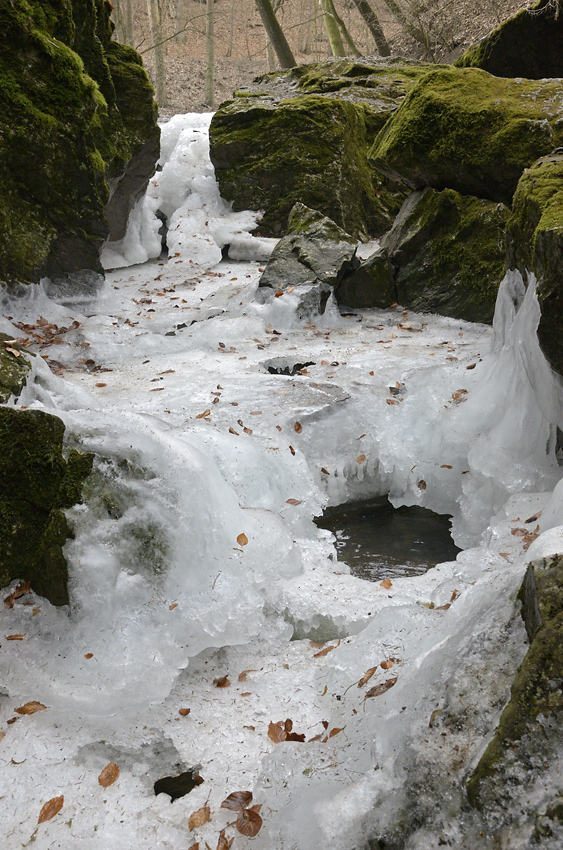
(535, 244)
(530, 728)
(313, 258)
(463, 129)
(303, 136)
(14, 367)
(37, 483)
(448, 253)
(370, 285)
(528, 45)
(78, 123)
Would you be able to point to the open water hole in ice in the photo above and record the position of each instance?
(378, 541)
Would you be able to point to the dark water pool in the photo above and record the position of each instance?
(379, 541)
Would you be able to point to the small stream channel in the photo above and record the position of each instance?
(379, 541)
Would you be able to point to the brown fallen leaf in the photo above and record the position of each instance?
(386, 665)
(198, 818)
(174, 605)
(109, 775)
(203, 415)
(297, 427)
(454, 595)
(89, 655)
(50, 809)
(360, 459)
(30, 707)
(392, 401)
(293, 502)
(242, 539)
(276, 732)
(445, 466)
(242, 677)
(421, 484)
(292, 450)
(325, 471)
(533, 518)
(101, 384)
(249, 823)
(367, 676)
(237, 800)
(334, 731)
(232, 431)
(221, 682)
(386, 583)
(15, 637)
(195, 846)
(224, 843)
(184, 711)
(380, 689)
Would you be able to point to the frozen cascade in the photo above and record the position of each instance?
(195, 555)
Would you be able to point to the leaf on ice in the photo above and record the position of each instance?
(292, 450)
(454, 595)
(22, 589)
(533, 518)
(298, 427)
(387, 664)
(203, 415)
(89, 655)
(172, 606)
(386, 583)
(249, 823)
(195, 846)
(378, 690)
(237, 800)
(15, 637)
(184, 711)
(247, 430)
(392, 401)
(221, 682)
(324, 652)
(325, 471)
(445, 466)
(50, 809)
(242, 539)
(109, 775)
(224, 843)
(443, 607)
(360, 459)
(198, 818)
(30, 707)
(293, 502)
(276, 732)
(334, 731)
(232, 431)
(242, 677)
(421, 484)
(519, 532)
(367, 676)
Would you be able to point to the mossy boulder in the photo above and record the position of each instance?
(37, 484)
(535, 244)
(64, 133)
(448, 251)
(14, 368)
(466, 130)
(312, 258)
(530, 44)
(303, 136)
(370, 285)
(528, 737)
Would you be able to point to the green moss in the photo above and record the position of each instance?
(13, 370)
(466, 130)
(37, 483)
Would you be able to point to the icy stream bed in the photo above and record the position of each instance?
(196, 556)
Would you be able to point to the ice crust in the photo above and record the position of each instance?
(196, 444)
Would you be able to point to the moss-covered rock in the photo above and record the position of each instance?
(448, 253)
(303, 135)
(530, 44)
(535, 244)
(529, 733)
(37, 483)
(14, 367)
(62, 135)
(466, 130)
(372, 284)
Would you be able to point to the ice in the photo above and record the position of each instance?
(195, 555)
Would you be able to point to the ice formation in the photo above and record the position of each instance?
(195, 556)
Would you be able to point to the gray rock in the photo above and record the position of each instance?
(370, 285)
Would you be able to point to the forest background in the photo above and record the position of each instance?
(197, 52)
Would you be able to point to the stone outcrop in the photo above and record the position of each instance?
(303, 136)
(77, 127)
(370, 285)
(37, 484)
(14, 368)
(530, 44)
(448, 253)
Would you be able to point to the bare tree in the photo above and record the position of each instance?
(408, 25)
(210, 53)
(374, 26)
(275, 34)
(332, 30)
(153, 9)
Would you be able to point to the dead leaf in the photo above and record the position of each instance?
(50, 809)
(276, 732)
(392, 401)
(334, 731)
(360, 459)
(381, 689)
(199, 818)
(109, 775)
(324, 651)
(224, 843)
(325, 471)
(454, 595)
(297, 427)
(367, 676)
(242, 677)
(242, 539)
(203, 415)
(255, 808)
(293, 502)
(195, 846)
(533, 518)
(445, 466)
(89, 655)
(15, 637)
(221, 682)
(292, 450)
(247, 430)
(519, 532)
(386, 665)
(174, 605)
(30, 707)
(101, 384)
(232, 431)
(237, 800)
(184, 711)
(249, 823)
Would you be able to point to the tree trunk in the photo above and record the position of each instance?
(407, 24)
(210, 53)
(275, 34)
(374, 26)
(344, 30)
(334, 37)
(129, 23)
(153, 10)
